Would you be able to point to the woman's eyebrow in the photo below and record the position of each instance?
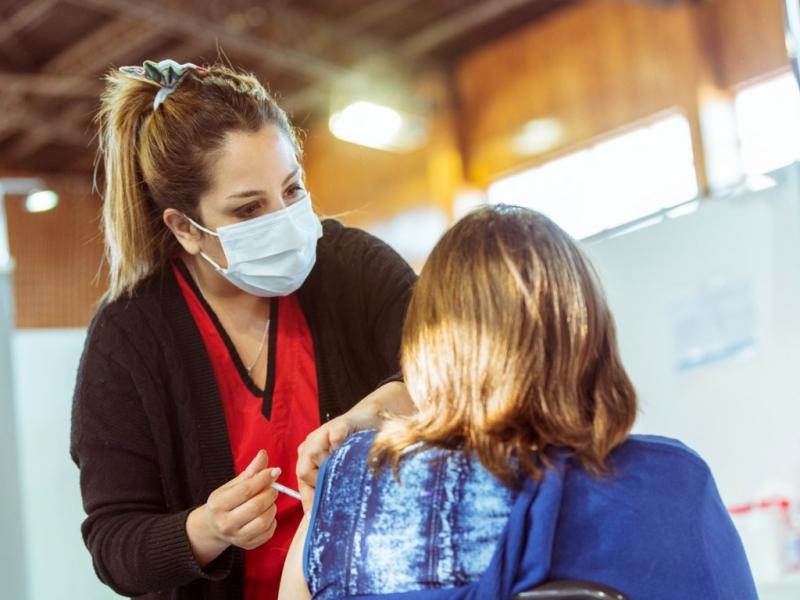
(291, 175)
(252, 193)
(248, 194)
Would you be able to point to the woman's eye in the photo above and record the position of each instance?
(296, 191)
(247, 211)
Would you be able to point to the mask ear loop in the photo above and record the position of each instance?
(198, 226)
(208, 259)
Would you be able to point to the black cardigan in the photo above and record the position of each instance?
(148, 429)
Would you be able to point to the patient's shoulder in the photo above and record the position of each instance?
(648, 449)
(355, 448)
(354, 453)
(358, 442)
(350, 458)
(421, 466)
(662, 468)
(434, 521)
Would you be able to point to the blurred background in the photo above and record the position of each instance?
(664, 134)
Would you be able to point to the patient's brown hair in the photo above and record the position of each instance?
(509, 348)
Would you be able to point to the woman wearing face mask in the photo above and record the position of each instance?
(236, 327)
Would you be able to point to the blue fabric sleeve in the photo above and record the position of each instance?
(721, 550)
(323, 470)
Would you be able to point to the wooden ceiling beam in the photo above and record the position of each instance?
(414, 47)
(40, 133)
(44, 84)
(139, 23)
(40, 136)
(30, 14)
(453, 26)
(195, 27)
(276, 56)
(378, 12)
(90, 54)
(347, 34)
(120, 37)
(369, 15)
(63, 131)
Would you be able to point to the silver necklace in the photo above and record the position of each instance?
(263, 335)
(260, 348)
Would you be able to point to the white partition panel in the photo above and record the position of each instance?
(708, 313)
(58, 564)
(740, 410)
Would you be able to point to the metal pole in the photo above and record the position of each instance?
(6, 264)
(791, 13)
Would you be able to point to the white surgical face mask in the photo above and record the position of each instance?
(270, 255)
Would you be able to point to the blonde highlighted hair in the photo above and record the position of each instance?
(153, 160)
(509, 348)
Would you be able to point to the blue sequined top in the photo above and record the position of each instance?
(654, 528)
(438, 529)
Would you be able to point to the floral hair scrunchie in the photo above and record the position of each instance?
(167, 73)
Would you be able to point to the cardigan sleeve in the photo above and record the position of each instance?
(137, 544)
(385, 284)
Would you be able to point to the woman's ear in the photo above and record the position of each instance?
(186, 234)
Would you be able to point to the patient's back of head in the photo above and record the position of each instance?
(509, 348)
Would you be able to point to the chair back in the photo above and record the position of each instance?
(571, 590)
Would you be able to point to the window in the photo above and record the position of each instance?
(623, 179)
(768, 118)
(412, 233)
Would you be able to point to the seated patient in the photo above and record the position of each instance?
(519, 467)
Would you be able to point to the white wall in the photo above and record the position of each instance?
(12, 559)
(741, 414)
(58, 564)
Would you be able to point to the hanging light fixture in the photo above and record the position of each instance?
(367, 123)
(378, 126)
(41, 201)
(38, 198)
(386, 114)
(538, 136)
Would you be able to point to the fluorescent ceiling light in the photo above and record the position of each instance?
(41, 201)
(377, 126)
(538, 136)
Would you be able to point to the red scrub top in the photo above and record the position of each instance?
(277, 418)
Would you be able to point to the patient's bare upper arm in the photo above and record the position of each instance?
(293, 584)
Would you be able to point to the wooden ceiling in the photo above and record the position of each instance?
(53, 54)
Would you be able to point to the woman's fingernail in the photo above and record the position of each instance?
(275, 472)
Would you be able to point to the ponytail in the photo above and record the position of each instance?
(129, 215)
